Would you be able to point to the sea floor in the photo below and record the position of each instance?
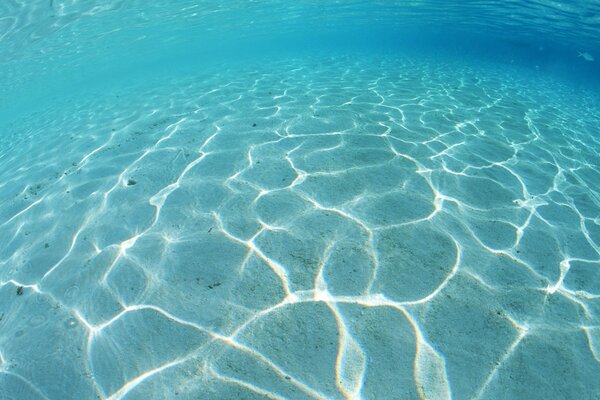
(316, 228)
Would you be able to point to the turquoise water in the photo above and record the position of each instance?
(299, 200)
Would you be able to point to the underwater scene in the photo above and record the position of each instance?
(308, 199)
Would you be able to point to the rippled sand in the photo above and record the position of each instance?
(329, 229)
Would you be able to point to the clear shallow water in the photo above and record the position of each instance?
(363, 224)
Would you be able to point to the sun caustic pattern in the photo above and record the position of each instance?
(315, 228)
(276, 199)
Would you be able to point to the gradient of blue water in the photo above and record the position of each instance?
(275, 199)
(48, 45)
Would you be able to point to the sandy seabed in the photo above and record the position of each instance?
(338, 228)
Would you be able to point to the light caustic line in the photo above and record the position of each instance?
(129, 386)
(509, 352)
(246, 385)
(85, 158)
(229, 340)
(82, 162)
(93, 215)
(277, 369)
(95, 331)
(87, 220)
(361, 224)
(446, 280)
(159, 198)
(595, 352)
(429, 364)
(350, 365)
(75, 313)
(17, 215)
(157, 201)
(278, 269)
(428, 361)
(27, 383)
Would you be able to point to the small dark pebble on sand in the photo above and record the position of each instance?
(46, 245)
(214, 285)
(19, 290)
(288, 377)
(131, 182)
(253, 125)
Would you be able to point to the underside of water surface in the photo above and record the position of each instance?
(299, 200)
